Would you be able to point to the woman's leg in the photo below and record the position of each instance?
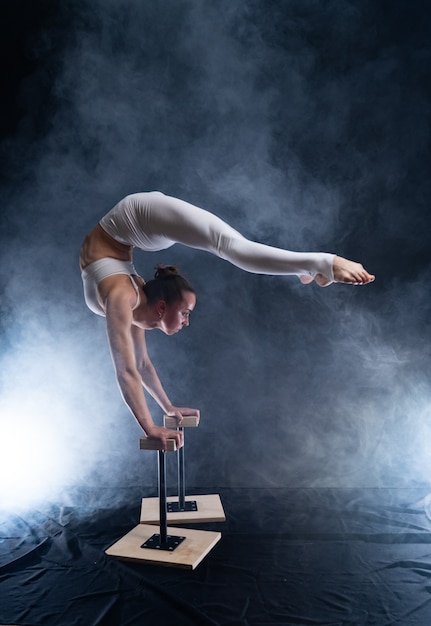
(187, 224)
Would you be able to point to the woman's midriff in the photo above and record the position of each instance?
(98, 245)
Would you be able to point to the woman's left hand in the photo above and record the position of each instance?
(179, 412)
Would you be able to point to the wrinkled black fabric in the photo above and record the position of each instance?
(294, 557)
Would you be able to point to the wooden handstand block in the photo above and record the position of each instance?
(153, 444)
(188, 421)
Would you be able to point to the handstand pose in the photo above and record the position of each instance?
(112, 287)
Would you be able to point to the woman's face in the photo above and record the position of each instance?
(176, 315)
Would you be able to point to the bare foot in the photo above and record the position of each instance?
(305, 280)
(345, 271)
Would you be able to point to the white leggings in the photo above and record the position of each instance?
(154, 221)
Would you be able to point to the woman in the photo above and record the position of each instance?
(153, 221)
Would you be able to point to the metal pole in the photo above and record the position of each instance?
(162, 499)
(181, 477)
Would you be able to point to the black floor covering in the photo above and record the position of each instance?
(326, 557)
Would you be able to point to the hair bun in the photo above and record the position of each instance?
(168, 285)
(165, 271)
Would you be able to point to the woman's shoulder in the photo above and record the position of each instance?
(119, 289)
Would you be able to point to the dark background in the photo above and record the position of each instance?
(305, 125)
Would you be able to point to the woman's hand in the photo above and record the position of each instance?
(162, 434)
(179, 412)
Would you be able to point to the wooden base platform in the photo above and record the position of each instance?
(190, 552)
(209, 509)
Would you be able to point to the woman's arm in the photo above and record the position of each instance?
(151, 381)
(119, 329)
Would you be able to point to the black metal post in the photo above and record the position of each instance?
(162, 499)
(181, 477)
(161, 540)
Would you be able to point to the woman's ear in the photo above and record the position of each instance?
(161, 308)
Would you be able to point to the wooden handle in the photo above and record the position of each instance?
(154, 444)
(188, 421)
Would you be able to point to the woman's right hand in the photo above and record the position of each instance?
(162, 434)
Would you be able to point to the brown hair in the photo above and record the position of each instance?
(168, 285)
